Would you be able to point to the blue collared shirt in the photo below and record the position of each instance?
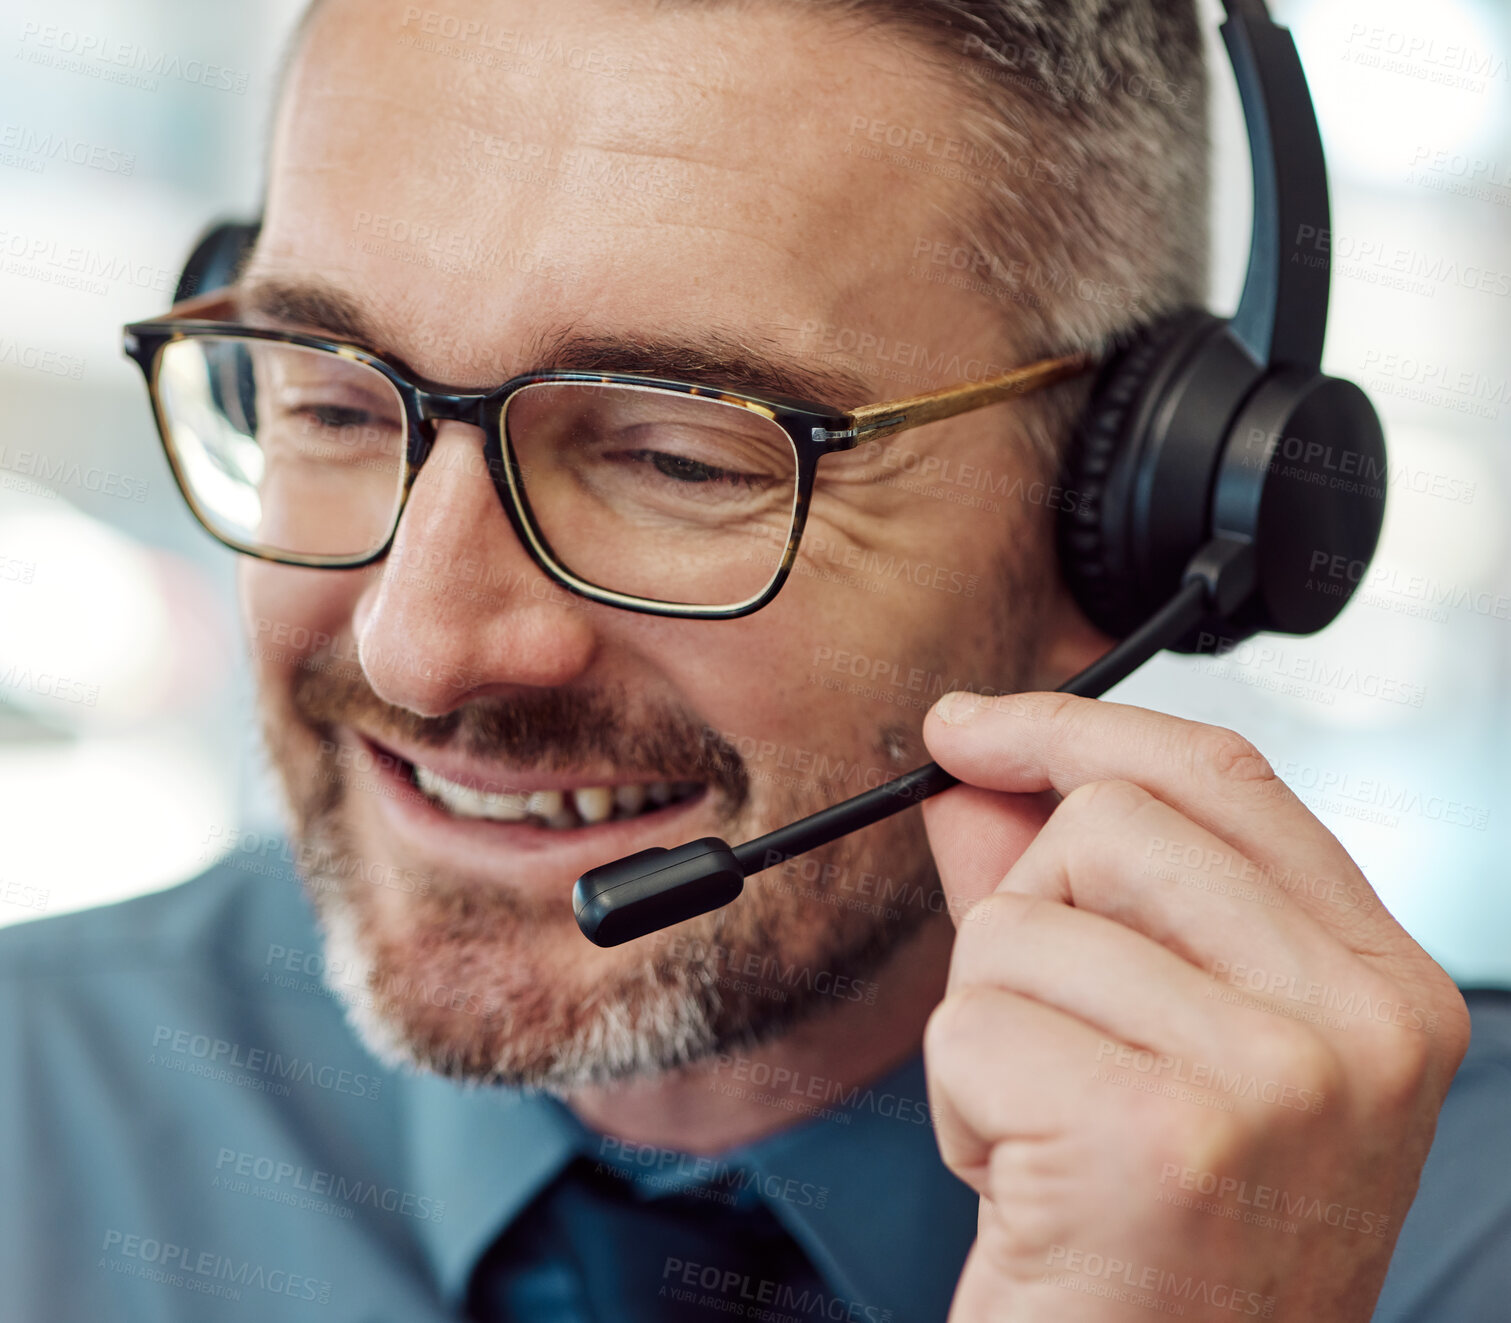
(190, 1130)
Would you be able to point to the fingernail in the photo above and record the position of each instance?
(958, 709)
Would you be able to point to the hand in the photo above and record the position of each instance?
(1188, 1060)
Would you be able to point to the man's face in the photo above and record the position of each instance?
(690, 176)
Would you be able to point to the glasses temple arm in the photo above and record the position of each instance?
(871, 421)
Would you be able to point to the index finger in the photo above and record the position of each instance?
(1032, 742)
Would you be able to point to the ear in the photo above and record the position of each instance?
(1068, 641)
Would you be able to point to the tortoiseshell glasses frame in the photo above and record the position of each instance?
(814, 431)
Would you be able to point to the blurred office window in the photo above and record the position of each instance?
(128, 752)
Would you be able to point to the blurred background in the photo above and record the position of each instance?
(129, 759)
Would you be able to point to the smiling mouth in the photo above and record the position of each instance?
(560, 810)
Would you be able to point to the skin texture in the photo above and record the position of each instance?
(752, 222)
(760, 226)
(1231, 1113)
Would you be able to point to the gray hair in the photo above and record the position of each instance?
(1103, 105)
(1083, 128)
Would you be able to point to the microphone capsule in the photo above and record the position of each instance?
(654, 889)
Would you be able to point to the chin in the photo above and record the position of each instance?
(429, 1002)
(479, 979)
(473, 984)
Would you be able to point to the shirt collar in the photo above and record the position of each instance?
(860, 1187)
(893, 1231)
(486, 1152)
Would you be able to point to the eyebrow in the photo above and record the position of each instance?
(306, 303)
(715, 358)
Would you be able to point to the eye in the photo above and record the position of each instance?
(681, 468)
(334, 415)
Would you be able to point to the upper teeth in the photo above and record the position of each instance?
(586, 804)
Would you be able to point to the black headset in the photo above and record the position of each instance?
(1221, 481)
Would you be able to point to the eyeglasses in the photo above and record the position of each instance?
(644, 493)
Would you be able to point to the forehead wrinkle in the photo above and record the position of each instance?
(716, 355)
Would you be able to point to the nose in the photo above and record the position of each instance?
(459, 610)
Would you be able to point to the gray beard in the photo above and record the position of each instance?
(671, 1010)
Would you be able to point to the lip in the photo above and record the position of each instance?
(489, 779)
(525, 854)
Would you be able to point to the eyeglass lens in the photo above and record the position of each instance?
(648, 493)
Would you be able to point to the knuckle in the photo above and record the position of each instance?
(1102, 800)
(1443, 1016)
(1399, 1062)
(1025, 1184)
(995, 927)
(1052, 706)
(1000, 911)
(1215, 1141)
(1226, 755)
(1452, 1026)
(1291, 1054)
(950, 1033)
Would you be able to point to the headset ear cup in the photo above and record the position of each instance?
(217, 258)
(1103, 447)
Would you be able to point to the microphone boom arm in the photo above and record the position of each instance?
(655, 888)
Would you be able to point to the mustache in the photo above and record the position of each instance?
(552, 730)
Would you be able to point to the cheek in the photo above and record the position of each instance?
(812, 680)
(290, 614)
(882, 617)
